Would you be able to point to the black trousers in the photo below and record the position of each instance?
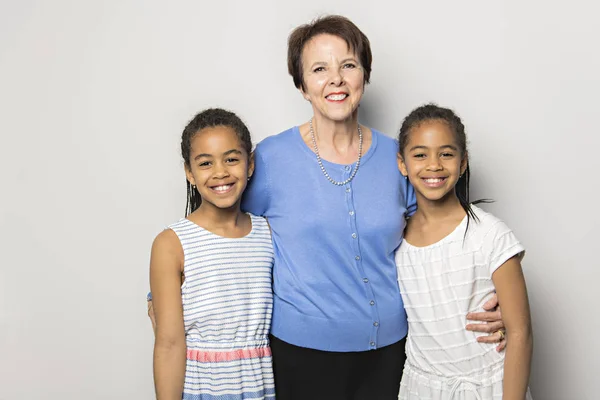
(308, 374)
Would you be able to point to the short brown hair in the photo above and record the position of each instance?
(335, 25)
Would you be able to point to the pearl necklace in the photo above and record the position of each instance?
(329, 178)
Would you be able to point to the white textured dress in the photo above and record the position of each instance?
(440, 284)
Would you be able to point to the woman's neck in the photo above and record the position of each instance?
(339, 135)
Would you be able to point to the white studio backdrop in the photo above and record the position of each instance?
(94, 96)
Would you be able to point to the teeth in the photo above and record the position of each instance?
(336, 97)
(221, 188)
(433, 180)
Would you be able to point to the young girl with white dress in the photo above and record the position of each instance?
(453, 258)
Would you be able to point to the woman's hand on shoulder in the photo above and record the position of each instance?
(151, 315)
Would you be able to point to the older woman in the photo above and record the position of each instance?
(337, 204)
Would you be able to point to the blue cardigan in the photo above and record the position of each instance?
(334, 277)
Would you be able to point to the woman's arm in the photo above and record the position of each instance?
(257, 195)
(493, 323)
(512, 293)
(166, 266)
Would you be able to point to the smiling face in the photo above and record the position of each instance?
(333, 77)
(219, 167)
(432, 160)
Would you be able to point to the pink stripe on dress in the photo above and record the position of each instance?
(220, 356)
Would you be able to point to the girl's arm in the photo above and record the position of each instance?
(512, 294)
(166, 266)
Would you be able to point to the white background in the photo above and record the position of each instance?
(94, 96)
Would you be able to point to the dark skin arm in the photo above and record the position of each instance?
(511, 289)
(166, 267)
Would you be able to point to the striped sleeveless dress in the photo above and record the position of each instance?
(227, 305)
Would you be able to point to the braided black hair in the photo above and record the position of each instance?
(433, 112)
(209, 118)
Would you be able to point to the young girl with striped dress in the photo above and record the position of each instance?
(454, 257)
(210, 275)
